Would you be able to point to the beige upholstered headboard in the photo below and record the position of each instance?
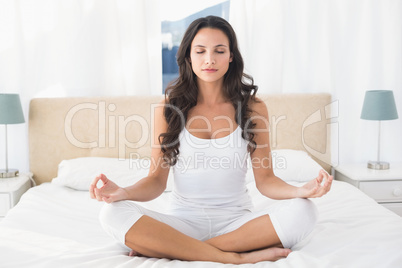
(66, 128)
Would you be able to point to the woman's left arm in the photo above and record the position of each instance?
(275, 188)
(261, 159)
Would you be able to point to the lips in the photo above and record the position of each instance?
(209, 70)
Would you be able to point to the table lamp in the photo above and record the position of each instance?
(379, 105)
(10, 113)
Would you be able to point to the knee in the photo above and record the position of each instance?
(304, 219)
(108, 217)
(297, 220)
(107, 214)
(114, 213)
(116, 218)
(305, 214)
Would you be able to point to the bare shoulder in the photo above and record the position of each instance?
(161, 105)
(159, 117)
(258, 107)
(260, 120)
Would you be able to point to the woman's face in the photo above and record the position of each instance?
(210, 55)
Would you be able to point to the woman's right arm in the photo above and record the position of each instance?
(147, 188)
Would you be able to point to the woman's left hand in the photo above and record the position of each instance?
(314, 188)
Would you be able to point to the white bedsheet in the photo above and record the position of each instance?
(54, 226)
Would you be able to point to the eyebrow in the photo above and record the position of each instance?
(220, 45)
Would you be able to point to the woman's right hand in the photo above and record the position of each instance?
(109, 192)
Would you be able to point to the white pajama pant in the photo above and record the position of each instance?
(292, 219)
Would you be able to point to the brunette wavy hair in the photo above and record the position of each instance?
(181, 95)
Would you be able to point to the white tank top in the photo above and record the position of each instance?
(211, 173)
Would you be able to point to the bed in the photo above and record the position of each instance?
(56, 224)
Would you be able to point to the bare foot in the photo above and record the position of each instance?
(268, 254)
(134, 253)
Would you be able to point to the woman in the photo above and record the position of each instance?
(209, 122)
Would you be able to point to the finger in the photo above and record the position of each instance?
(103, 178)
(327, 179)
(320, 177)
(107, 199)
(93, 186)
(313, 191)
(98, 195)
(95, 181)
(327, 185)
(316, 191)
(91, 191)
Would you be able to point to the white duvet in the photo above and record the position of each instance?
(55, 226)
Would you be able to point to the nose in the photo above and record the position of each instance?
(209, 59)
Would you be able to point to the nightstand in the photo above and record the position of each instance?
(11, 190)
(384, 186)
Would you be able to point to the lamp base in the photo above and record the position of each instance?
(9, 173)
(378, 165)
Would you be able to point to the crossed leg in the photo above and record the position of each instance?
(253, 242)
(256, 234)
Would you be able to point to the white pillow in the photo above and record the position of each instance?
(291, 165)
(294, 165)
(78, 173)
